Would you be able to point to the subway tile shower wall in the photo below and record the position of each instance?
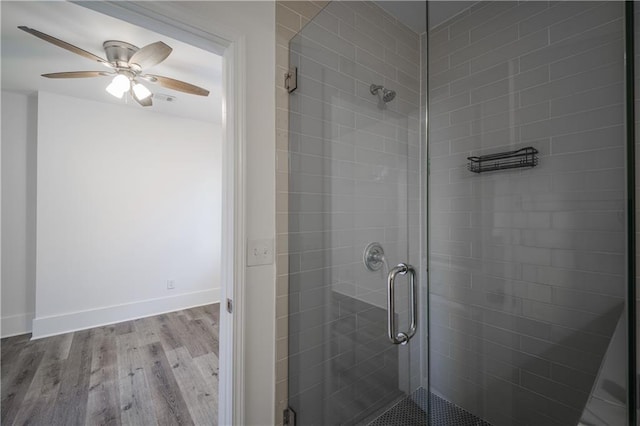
(527, 266)
(354, 179)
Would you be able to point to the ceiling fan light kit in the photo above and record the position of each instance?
(126, 62)
(141, 91)
(119, 86)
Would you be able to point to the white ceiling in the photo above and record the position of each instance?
(25, 57)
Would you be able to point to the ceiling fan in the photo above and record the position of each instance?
(126, 62)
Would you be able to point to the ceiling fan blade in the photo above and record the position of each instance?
(64, 45)
(150, 55)
(77, 74)
(144, 102)
(178, 85)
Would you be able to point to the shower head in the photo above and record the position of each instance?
(387, 94)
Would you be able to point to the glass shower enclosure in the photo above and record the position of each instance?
(459, 214)
(354, 215)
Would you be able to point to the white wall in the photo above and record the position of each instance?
(18, 214)
(127, 200)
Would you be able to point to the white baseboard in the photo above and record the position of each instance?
(14, 325)
(74, 321)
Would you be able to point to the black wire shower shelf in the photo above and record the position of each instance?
(525, 157)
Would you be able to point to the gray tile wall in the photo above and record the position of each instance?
(353, 179)
(527, 266)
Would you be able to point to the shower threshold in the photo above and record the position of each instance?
(410, 411)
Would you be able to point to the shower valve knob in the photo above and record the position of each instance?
(373, 256)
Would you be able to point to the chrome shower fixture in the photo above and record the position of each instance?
(387, 95)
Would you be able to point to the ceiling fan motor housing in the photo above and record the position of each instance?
(119, 52)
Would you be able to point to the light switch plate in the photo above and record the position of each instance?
(260, 252)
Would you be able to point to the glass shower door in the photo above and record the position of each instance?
(354, 182)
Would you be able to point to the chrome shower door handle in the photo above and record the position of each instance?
(395, 336)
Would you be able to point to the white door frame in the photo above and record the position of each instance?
(232, 48)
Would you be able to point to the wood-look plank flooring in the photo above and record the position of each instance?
(160, 370)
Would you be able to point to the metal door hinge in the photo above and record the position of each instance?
(230, 306)
(288, 417)
(291, 79)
